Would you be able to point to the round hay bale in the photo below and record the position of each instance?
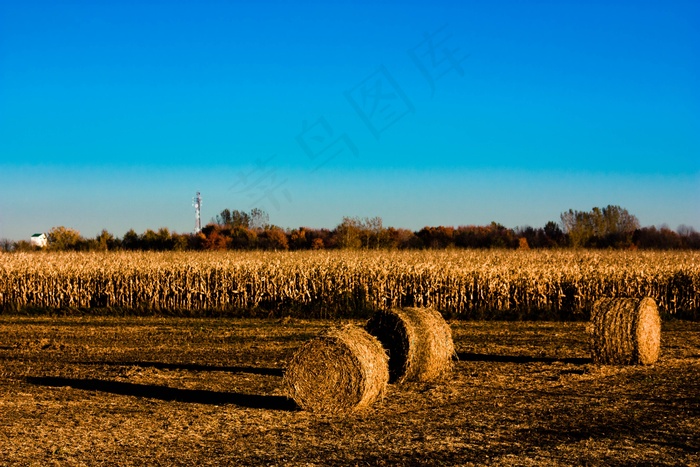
(343, 370)
(625, 331)
(418, 341)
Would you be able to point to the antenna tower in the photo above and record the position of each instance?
(197, 203)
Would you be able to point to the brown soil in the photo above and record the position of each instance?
(165, 391)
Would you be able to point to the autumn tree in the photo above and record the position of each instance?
(64, 238)
(273, 238)
(348, 233)
(233, 219)
(256, 219)
(611, 226)
(105, 241)
(259, 219)
(214, 239)
(371, 232)
(298, 239)
(437, 237)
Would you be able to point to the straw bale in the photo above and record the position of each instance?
(625, 331)
(343, 370)
(418, 341)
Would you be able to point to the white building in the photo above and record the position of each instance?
(39, 239)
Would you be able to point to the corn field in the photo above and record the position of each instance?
(469, 284)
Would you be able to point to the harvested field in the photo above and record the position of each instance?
(174, 391)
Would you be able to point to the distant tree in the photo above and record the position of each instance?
(550, 236)
(690, 238)
(196, 241)
(400, 238)
(578, 227)
(131, 240)
(390, 238)
(348, 233)
(502, 237)
(256, 219)
(371, 232)
(24, 245)
(243, 238)
(164, 239)
(225, 218)
(611, 226)
(105, 241)
(354, 233)
(532, 237)
(64, 238)
(658, 239)
(232, 219)
(618, 227)
(149, 240)
(472, 236)
(320, 238)
(554, 235)
(240, 219)
(685, 230)
(180, 242)
(437, 237)
(259, 219)
(6, 244)
(298, 239)
(273, 238)
(215, 238)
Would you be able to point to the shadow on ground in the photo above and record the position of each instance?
(196, 396)
(195, 367)
(478, 357)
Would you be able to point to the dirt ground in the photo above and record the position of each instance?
(167, 391)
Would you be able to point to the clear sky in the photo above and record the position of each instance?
(114, 114)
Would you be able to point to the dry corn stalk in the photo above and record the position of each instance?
(460, 283)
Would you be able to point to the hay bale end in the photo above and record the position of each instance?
(343, 370)
(625, 331)
(418, 341)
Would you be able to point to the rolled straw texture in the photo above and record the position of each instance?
(625, 331)
(343, 370)
(418, 341)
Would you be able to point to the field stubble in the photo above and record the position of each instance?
(174, 391)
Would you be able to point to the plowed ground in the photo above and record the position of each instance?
(167, 391)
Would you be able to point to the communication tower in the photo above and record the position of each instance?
(197, 203)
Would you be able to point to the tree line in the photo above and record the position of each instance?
(608, 227)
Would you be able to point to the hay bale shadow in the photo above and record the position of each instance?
(164, 393)
(195, 367)
(478, 357)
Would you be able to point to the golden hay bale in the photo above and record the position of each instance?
(418, 341)
(625, 331)
(342, 370)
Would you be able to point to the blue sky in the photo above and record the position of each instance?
(113, 114)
